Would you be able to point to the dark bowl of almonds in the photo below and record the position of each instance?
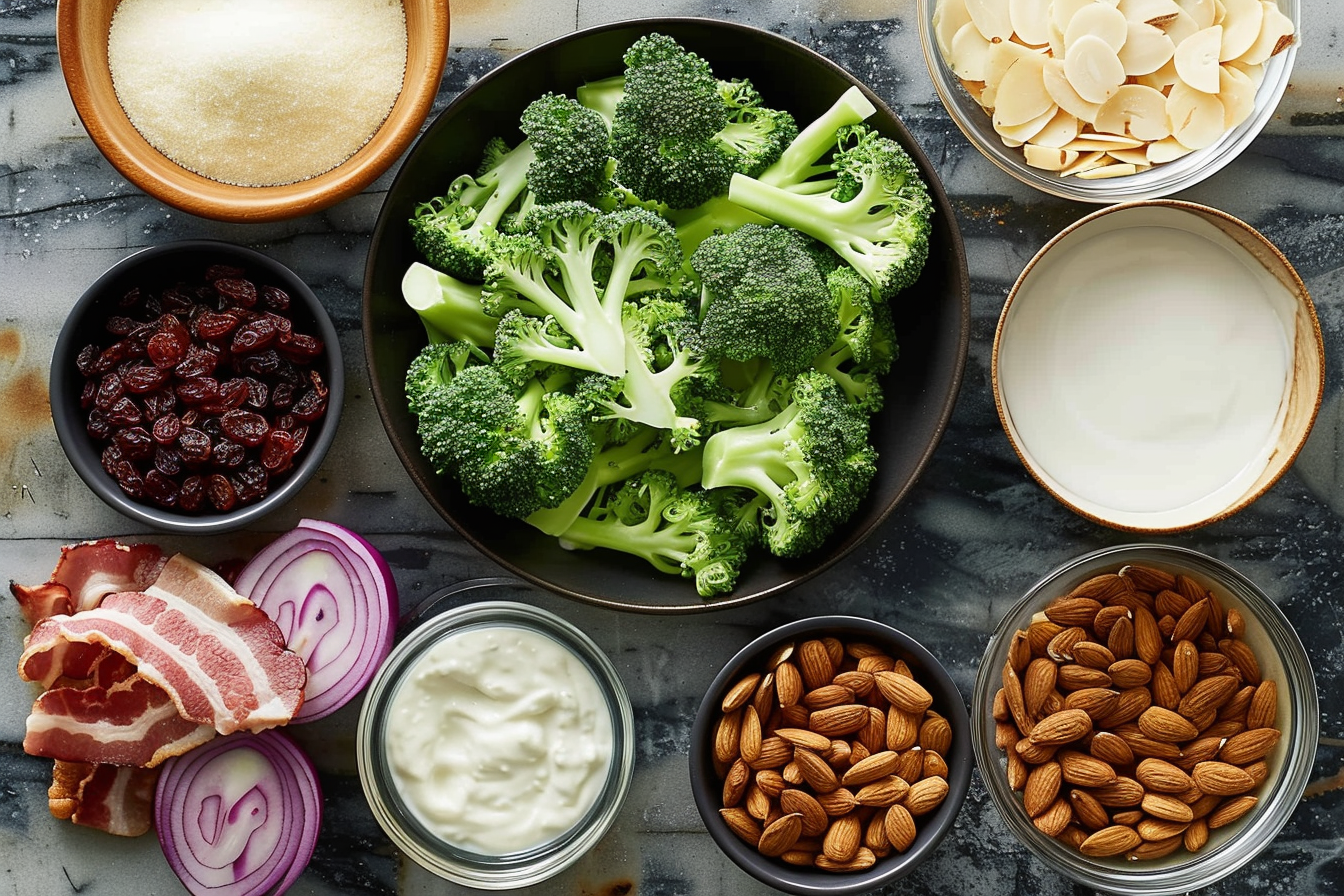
(1145, 719)
(830, 755)
(196, 386)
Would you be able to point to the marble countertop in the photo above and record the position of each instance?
(975, 533)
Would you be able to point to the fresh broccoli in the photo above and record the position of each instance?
(455, 231)
(514, 450)
(755, 135)
(664, 357)
(750, 392)
(876, 216)
(434, 368)
(811, 462)
(572, 149)
(449, 309)
(679, 531)
(763, 297)
(866, 346)
(602, 96)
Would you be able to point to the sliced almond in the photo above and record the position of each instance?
(1236, 91)
(991, 18)
(1049, 158)
(1031, 21)
(1146, 49)
(1099, 20)
(1202, 11)
(1000, 58)
(1063, 11)
(1062, 128)
(1276, 33)
(948, 16)
(1093, 68)
(1197, 59)
(1150, 12)
(1085, 162)
(1022, 95)
(1136, 111)
(1114, 169)
(1016, 135)
(1241, 27)
(1196, 117)
(1168, 150)
(968, 54)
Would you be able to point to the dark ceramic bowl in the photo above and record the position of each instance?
(154, 268)
(932, 319)
(707, 787)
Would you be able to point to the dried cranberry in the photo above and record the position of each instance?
(161, 489)
(191, 494)
(245, 427)
(195, 445)
(166, 429)
(220, 492)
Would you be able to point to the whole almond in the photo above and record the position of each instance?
(925, 795)
(1110, 841)
(840, 801)
(1057, 816)
(1185, 665)
(878, 662)
(1060, 648)
(902, 692)
(780, 835)
(1006, 735)
(884, 792)
(903, 729)
(839, 755)
(1148, 578)
(875, 834)
(1192, 621)
(803, 737)
(814, 818)
(1120, 793)
(1147, 636)
(1096, 702)
(803, 858)
(1221, 779)
(735, 783)
(1170, 603)
(1130, 673)
(1168, 808)
(1084, 770)
(788, 684)
(900, 827)
(1107, 617)
(739, 694)
(1132, 703)
(843, 838)
(816, 771)
(860, 649)
(874, 734)
(1089, 813)
(878, 765)
(859, 683)
(935, 734)
(742, 824)
(749, 738)
(1061, 727)
(1212, 662)
(1248, 746)
(1199, 750)
(1263, 705)
(1196, 835)
(1206, 694)
(1242, 657)
(935, 766)
(827, 695)
(1035, 753)
(1040, 634)
(1042, 788)
(1236, 624)
(1120, 639)
(1167, 726)
(775, 753)
(814, 662)
(1017, 770)
(837, 721)
(792, 774)
(864, 858)
(835, 649)
(1071, 611)
(1128, 817)
(1074, 676)
(1190, 588)
(1163, 686)
(1145, 746)
(1102, 586)
(858, 752)
(727, 735)
(764, 698)
(1230, 810)
(1093, 655)
(756, 803)
(771, 782)
(1160, 776)
(1111, 748)
(911, 764)
(1038, 682)
(1155, 845)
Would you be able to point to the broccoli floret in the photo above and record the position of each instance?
(750, 392)
(613, 462)
(449, 309)
(811, 462)
(866, 346)
(434, 368)
(602, 96)
(677, 530)
(572, 149)
(455, 231)
(664, 358)
(876, 217)
(514, 450)
(755, 135)
(763, 297)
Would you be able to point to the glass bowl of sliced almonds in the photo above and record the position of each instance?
(1145, 719)
(1105, 102)
(830, 755)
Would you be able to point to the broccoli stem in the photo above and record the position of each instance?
(511, 175)
(664, 549)
(450, 309)
(800, 159)
(609, 466)
(752, 456)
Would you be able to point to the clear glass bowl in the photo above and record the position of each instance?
(1281, 657)
(1160, 180)
(489, 872)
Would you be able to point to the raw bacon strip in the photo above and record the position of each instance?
(86, 573)
(132, 723)
(116, 799)
(221, 659)
(37, 602)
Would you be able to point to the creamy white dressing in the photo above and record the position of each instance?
(1146, 368)
(499, 739)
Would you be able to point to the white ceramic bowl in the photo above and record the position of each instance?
(1158, 365)
(1160, 180)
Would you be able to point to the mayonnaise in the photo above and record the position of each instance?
(1148, 367)
(499, 739)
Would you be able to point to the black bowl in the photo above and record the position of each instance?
(155, 268)
(932, 318)
(707, 786)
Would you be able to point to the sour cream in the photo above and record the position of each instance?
(1145, 366)
(499, 739)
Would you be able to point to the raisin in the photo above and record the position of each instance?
(142, 378)
(273, 298)
(161, 489)
(131, 298)
(311, 405)
(258, 393)
(277, 455)
(191, 494)
(254, 336)
(282, 396)
(125, 413)
(120, 325)
(195, 445)
(113, 355)
(220, 492)
(251, 483)
(177, 299)
(198, 390)
(245, 427)
(86, 359)
(300, 438)
(233, 393)
(228, 455)
(301, 348)
(222, 271)
(168, 462)
(98, 426)
(158, 403)
(198, 362)
(212, 325)
(261, 364)
(236, 292)
(135, 442)
(110, 458)
(167, 428)
(88, 394)
(130, 480)
(168, 347)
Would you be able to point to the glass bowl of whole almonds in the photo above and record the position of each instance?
(830, 755)
(1130, 101)
(1145, 719)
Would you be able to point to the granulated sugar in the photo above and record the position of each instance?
(257, 92)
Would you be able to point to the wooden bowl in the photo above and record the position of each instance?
(81, 38)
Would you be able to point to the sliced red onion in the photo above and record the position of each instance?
(334, 599)
(240, 815)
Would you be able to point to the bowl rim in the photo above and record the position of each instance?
(1283, 460)
(80, 453)
(956, 248)
(1283, 798)
(202, 196)
(1134, 187)
(808, 882)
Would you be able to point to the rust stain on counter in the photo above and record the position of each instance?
(24, 403)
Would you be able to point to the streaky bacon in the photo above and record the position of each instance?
(133, 722)
(118, 799)
(87, 572)
(219, 657)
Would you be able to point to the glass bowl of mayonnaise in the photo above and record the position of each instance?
(496, 744)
